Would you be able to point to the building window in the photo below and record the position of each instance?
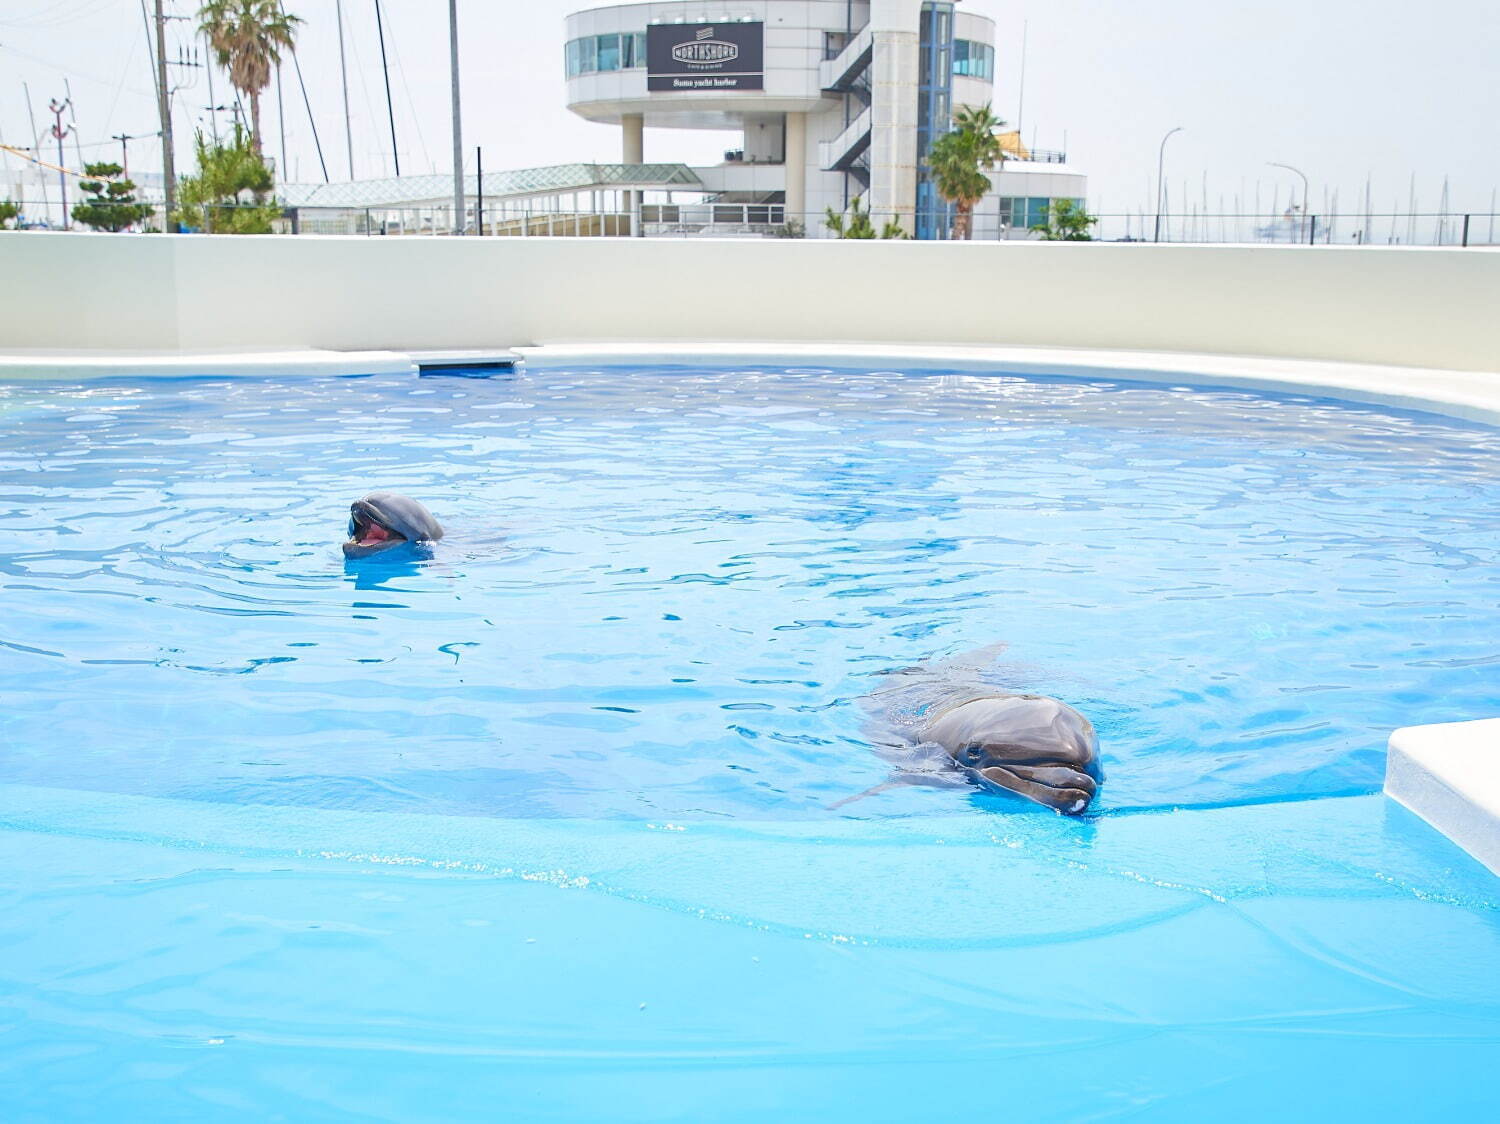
(1024, 212)
(973, 59)
(609, 52)
(595, 53)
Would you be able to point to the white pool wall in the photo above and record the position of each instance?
(1399, 306)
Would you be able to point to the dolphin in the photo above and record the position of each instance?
(383, 520)
(1025, 744)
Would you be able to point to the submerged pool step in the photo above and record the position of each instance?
(480, 363)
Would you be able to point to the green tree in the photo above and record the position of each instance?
(857, 223)
(1067, 221)
(958, 161)
(111, 204)
(231, 194)
(8, 211)
(247, 37)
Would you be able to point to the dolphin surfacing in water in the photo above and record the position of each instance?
(383, 520)
(1029, 745)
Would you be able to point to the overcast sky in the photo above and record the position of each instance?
(1341, 89)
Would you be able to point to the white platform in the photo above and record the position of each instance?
(1449, 774)
(56, 363)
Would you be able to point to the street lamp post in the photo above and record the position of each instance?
(1161, 156)
(1288, 167)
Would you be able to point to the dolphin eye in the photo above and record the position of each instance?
(972, 755)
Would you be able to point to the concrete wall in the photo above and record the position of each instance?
(1405, 306)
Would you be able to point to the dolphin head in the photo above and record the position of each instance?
(383, 520)
(1029, 745)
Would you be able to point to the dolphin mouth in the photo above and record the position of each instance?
(1055, 785)
(368, 532)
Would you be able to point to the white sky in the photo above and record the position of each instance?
(1341, 89)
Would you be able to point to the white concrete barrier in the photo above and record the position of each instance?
(1403, 306)
(1449, 774)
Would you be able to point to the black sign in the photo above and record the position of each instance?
(705, 56)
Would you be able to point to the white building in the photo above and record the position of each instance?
(834, 99)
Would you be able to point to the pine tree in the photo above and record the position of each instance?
(231, 194)
(111, 204)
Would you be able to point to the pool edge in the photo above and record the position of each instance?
(1468, 395)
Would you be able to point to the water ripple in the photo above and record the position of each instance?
(1245, 591)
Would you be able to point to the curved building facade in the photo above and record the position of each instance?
(834, 100)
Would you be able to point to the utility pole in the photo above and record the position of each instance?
(59, 130)
(458, 133)
(164, 108)
(213, 108)
(125, 139)
(36, 139)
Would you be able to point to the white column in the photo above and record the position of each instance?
(796, 167)
(633, 132)
(894, 70)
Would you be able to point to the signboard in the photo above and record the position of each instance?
(705, 56)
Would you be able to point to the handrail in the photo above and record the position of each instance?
(838, 72)
(833, 154)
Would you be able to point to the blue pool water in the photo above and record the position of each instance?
(544, 822)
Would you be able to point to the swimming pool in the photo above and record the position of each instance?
(544, 822)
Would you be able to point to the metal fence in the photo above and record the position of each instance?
(1431, 228)
(772, 220)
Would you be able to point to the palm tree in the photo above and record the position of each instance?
(247, 37)
(959, 160)
(857, 223)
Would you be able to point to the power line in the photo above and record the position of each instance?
(411, 102)
(45, 18)
(72, 70)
